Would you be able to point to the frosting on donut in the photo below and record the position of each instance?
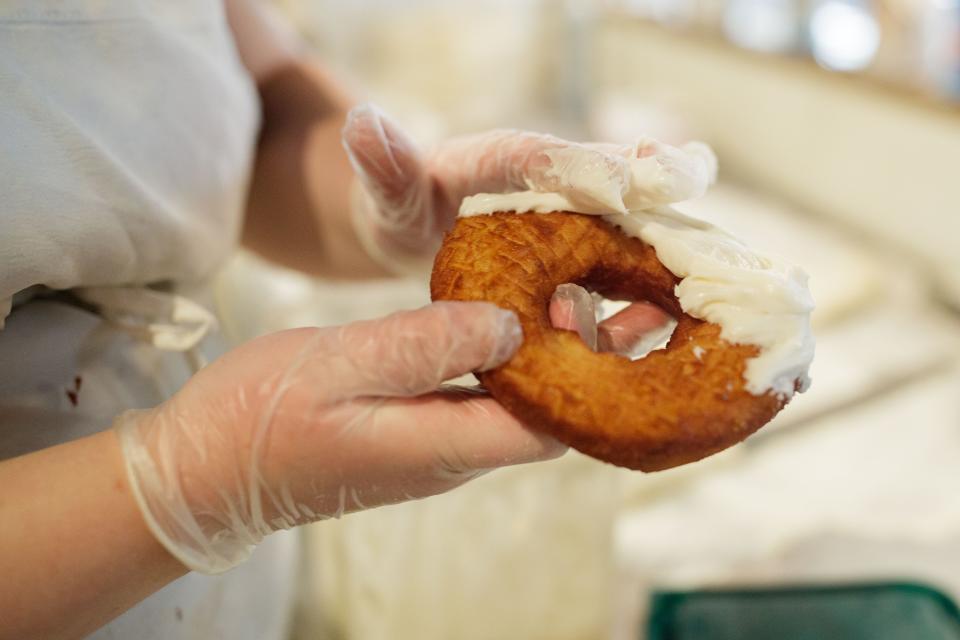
(755, 298)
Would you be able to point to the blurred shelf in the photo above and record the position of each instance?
(864, 82)
(872, 161)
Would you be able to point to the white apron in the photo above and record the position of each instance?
(126, 136)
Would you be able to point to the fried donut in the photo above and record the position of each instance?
(675, 405)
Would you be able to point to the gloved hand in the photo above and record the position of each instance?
(314, 423)
(404, 199)
(308, 424)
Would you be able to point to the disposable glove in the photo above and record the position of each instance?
(405, 199)
(307, 424)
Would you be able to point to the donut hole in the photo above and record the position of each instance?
(645, 341)
(633, 336)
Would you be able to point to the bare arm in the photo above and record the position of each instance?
(298, 212)
(74, 549)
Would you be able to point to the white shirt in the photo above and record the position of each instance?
(126, 135)
(127, 130)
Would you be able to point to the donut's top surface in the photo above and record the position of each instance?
(673, 406)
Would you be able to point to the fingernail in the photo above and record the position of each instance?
(354, 122)
(543, 448)
(581, 312)
(362, 109)
(508, 335)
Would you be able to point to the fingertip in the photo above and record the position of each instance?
(588, 176)
(360, 111)
(368, 134)
(527, 445)
(572, 308)
(625, 330)
(498, 439)
(508, 336)
(356, 121)
(502, 329)
(467, 336)
(367, 126)
(548, 449)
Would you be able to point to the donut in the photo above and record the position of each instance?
(674, 406)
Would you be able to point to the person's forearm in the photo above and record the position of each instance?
(299, 210)
(75, 551)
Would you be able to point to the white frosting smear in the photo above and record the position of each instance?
(756, 299)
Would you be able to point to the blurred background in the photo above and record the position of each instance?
(837, 126)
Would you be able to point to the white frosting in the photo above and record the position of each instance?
(756, 299)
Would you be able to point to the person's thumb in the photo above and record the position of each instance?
(412, 352)
(389, 167)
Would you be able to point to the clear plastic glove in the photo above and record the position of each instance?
(404, 199)
(308, 424)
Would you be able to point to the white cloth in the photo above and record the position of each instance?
(126, 132)
(126, 136)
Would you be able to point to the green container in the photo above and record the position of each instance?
(894, 611)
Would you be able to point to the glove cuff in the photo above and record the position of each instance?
(155, 480)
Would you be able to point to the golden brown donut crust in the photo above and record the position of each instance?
(668, 408)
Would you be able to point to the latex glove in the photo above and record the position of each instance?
(404, 199)
(308, 424)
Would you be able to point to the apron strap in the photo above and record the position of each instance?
(167, 321)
